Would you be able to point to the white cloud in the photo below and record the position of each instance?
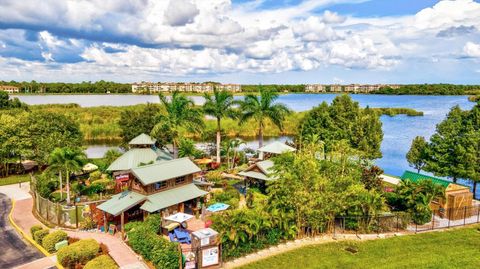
(472, 50)
(182, 37)
(180, 12)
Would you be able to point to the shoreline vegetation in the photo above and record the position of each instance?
(108, 87)
(102, 123)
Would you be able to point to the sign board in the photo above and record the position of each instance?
(210, 256)
(111, 229)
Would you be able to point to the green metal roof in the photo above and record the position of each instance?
(133, 158)
(254, 174)
(165, 170)
(276, 148)
(121, 202)
(264, 166)
(142, 139)
(171, 197)
(163, 155)
(416, 177)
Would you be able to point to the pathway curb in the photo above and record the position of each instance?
(28, 238)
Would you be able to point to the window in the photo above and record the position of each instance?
(179, 180)
(160, 185)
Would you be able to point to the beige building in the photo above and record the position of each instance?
(315, 88)
(148, 87)
(9, 89)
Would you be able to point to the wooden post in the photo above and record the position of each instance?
(105, 222)
(76, 216)
(122, 218)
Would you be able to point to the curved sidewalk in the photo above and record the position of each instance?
(23, 217)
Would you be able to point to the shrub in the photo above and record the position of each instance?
(95, 175)
(50, 240)
(78, 253)
(55, 197)
(35, 228)
(103, 262)
(214, 176)
(39, 235)
(88, 223)
(143, 238)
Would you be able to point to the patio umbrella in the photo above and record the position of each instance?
(179, 217)
(90, 167)
(203, 161)
(217, 207)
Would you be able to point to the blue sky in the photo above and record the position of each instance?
(241, 41)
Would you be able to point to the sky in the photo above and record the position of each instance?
(241, 41)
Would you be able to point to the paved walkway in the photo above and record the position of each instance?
(15, 250)
(23, 217)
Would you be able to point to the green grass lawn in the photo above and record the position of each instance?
(458, 248)
(14, 179)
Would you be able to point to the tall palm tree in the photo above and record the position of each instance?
(220, 105)
(262, 108)
(180, 114)
(67, 160)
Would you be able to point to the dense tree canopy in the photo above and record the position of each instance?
(7, 103)
(344, 120)
(61, 87)
(135, 122)
(47, 131)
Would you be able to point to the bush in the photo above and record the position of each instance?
(214, 176)
(143, 238)
(35, 228)
(50, 240)
(88, 223)
(103, 262)
(55, 197)
(39, 235)
(78, 253)
(95, 175)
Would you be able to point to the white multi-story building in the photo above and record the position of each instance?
(148, 87)
(9, 89)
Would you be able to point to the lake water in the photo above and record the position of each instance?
(398, 131)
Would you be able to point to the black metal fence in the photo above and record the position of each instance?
(400, 221)
(446, 218)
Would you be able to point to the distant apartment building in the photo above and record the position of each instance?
(9, 89)
(336, 88)
(315, 88)
(149, 87)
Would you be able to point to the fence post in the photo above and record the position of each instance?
(76, 216)
(58, 214)
(416, 227)
(378, 225)
(449, 216)
(48, 209)
(433, 220)
(478, 213)
(464, 215)
(397, 222)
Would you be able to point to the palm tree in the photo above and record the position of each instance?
(67, 160)
(180, 114)
(263, 107)
(220, 105)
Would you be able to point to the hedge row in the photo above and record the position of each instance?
(39, 235)
(79, 252)
(144, 239)
(103, 262)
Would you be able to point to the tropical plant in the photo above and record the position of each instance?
(66, 160)
(180, 114)
(262, 108)
(187, 148)
(230, 147)
(111, 155)
(219, 106)
(134, 122)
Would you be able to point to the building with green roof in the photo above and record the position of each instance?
(149, 181)
(416, 177)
